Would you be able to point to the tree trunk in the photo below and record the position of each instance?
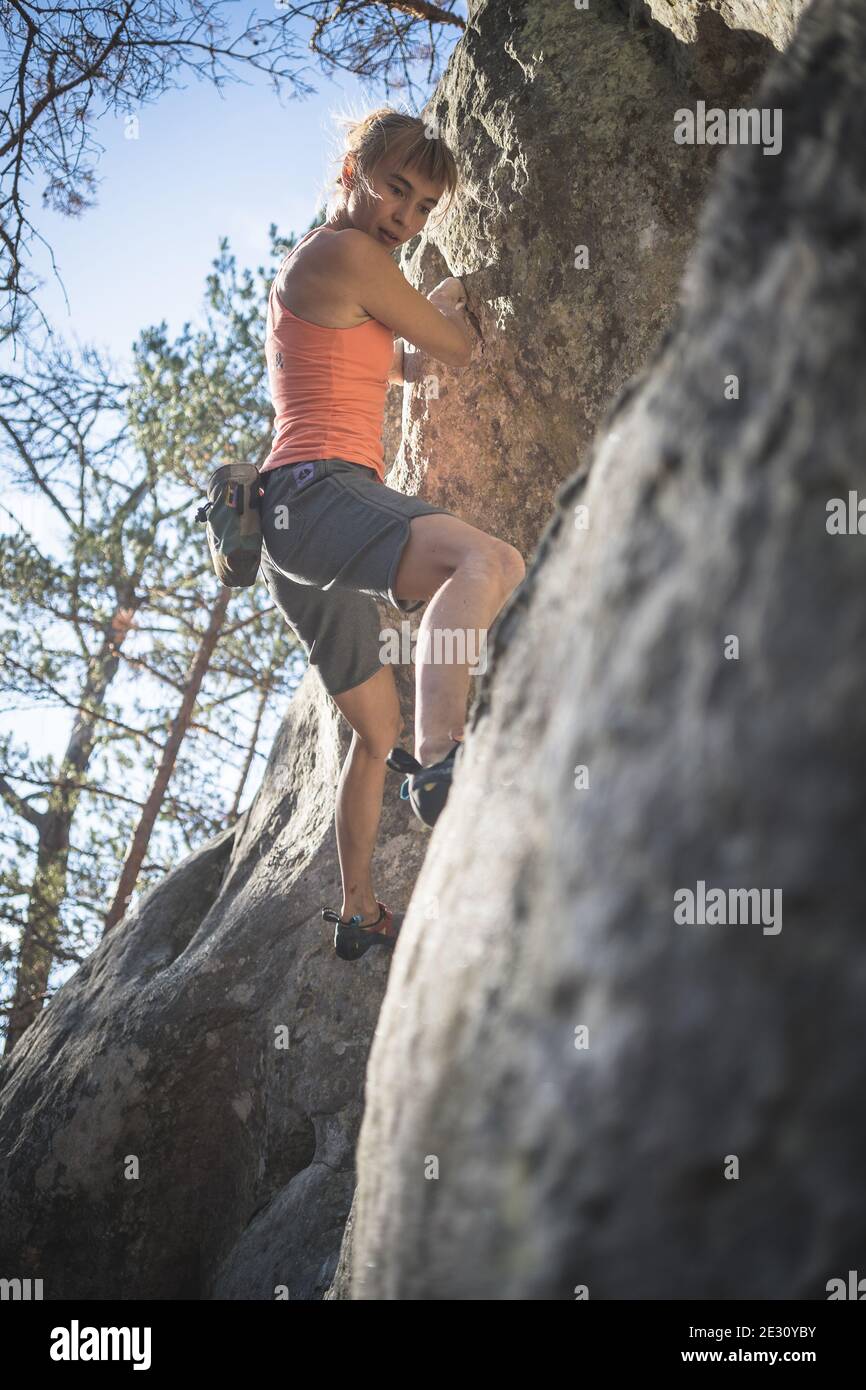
(39, 937)
(264, 693)
(141, 838)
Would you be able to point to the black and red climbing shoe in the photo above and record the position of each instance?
(351, 940)
(425, 788)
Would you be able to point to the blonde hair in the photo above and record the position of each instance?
(388, 132)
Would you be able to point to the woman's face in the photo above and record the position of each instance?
(405, 201)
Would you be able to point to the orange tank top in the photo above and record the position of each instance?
(327, 385)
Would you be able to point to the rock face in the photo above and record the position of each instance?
(697, 648)
(214, 1038)
(775, 19)
(562, 122)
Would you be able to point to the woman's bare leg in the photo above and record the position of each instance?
(467, 575)
(373, 710)
(455, 623)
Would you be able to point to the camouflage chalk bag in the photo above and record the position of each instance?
(234, 523)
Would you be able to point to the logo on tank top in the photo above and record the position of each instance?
(278, 360)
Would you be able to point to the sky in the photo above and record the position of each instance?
(203, 164)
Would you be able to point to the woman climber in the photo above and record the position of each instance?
(335, 536)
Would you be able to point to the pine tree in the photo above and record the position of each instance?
(107, 622)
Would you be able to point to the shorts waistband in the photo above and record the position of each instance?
(297, 476)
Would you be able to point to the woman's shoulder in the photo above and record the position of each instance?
(347, 245)
(329, 239)
(322, 248)
(320, 282)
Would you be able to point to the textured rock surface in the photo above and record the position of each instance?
(606, 1167)
(563, 123)
(775, 19)
(163, 1044)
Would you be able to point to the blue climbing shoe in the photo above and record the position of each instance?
(425, 788)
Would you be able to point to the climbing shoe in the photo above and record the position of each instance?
(425, 788)
(351, 940)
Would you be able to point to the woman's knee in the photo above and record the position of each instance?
(514, 568)
(499, 563)
(378, 740)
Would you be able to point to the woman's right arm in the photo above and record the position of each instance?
(371, 276)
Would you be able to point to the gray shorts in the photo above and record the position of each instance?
(332, 538)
